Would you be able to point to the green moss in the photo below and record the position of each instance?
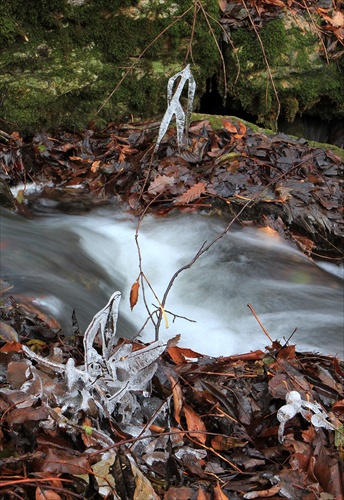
(301, 77)
(60, 61)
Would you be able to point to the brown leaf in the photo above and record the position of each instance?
(160, 183)
(21, 415)
(134, 294)
(182, 493)
(58, 461)
(43, 494)
(227, 442)
(191, 194)
(7, 333)
(194, 423)
(177, 398)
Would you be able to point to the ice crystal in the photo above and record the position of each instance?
(174, 106)
(295, 404)
(107, 379)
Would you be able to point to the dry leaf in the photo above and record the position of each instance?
(44, 494)
(338, 19)
(11, 347)
(134, 294)
(202, 495)
(177, 398)
(95, 166)
(8, 333)
(229, 126)
(191, 194)
(160, 183)
(194, 423)
(218, 493)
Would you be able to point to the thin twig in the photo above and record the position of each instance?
(259, 322)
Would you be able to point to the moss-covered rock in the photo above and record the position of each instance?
(303, 79)
(61, 59)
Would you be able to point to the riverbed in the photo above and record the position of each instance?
(68, 262)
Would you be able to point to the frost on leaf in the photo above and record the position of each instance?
(107, 379)
(174, 106)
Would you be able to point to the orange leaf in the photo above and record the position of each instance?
(218, 493)
(180, 354)
(95, 166)
(134, 294)
(11, 347)
(44, 494)
(202, 495)
(194, 423)
(191, 194)
(229, 126)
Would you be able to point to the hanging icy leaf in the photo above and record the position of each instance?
(175, 107)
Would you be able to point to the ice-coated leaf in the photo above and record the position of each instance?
(174, 106)
(103, 323)
(108, 380)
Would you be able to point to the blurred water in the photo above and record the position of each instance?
(77, 261)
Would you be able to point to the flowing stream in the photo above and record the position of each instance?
(78, 261)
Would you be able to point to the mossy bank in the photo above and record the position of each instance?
(60, 59)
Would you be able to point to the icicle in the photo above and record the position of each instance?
(175, 108)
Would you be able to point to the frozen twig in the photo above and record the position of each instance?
(174, 107)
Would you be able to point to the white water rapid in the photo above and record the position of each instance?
(77, 261)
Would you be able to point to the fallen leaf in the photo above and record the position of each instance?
(45, 494)
(7, 333)
(218, 493)
(95, 166)
(160, 183)
(194, 423)
(22, 415)
(11, 347)
(191, 194)
(177, 397)
(229, 126)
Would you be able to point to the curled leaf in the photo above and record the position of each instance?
(134, 294)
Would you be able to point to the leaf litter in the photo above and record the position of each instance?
(99, 417)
